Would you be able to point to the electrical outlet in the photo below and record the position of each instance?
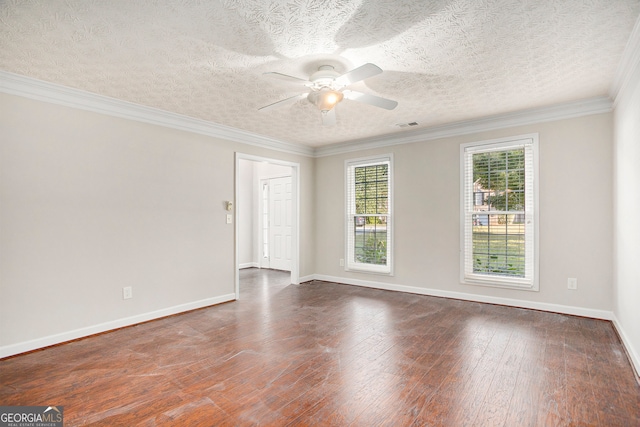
(341, 262)
(127, 292)
(572, 283)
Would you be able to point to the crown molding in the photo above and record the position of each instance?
(28, 87)
(628, 69)
(568, 110)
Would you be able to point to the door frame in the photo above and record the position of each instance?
(295, 232)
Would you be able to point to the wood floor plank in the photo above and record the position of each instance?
(552, 408)
(498, 397)
(334, 355)
(529, 387)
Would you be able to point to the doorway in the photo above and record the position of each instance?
(266, 215)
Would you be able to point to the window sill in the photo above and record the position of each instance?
(379, 272)
(499, 282)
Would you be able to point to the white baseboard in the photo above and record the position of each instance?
(555, 308)
(248, 265)
(628, 346)
(22, 347)
(307, 278)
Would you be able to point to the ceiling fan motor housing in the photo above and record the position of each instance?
(324, 77)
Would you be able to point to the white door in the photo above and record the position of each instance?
(280, 223)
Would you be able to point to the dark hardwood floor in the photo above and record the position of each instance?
(329, 354)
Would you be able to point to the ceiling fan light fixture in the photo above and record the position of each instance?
(325, 99)
(327, 88)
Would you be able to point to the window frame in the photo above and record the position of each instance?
(350, 214)
(467, 199)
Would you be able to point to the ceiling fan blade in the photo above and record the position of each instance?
(286, 77)
(363, 72)
(283, 102)
(374, 100)
(329, 117)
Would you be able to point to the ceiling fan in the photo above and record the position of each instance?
(327, 88)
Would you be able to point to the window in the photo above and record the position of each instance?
(499, 213)
(369, 209)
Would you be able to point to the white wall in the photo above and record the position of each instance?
(627, 220)
(575, 217)
(90, 203)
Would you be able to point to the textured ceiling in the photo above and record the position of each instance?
(444, 60)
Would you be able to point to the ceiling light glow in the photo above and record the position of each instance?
(326, 98)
